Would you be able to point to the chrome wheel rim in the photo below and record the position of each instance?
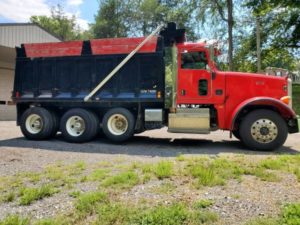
(117, 124)
(75, 126)
(34, 124)
(264, 131)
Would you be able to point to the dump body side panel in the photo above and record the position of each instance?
(72, 78)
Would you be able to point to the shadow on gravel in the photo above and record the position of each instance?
(143, 145)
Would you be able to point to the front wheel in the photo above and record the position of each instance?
(118, 124)
(263, 130)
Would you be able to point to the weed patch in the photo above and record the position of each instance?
(163, 169)
(28, 195)
(86, 203)
(15, 220)
(203, 204)
(122, 180)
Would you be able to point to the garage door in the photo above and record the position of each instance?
(7, 112)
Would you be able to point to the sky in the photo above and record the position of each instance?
(20, 11)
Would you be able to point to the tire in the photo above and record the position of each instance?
(118, 124)
(37, 123)
(236, 134)
(263, 130)
(78, 125)
(55, 122)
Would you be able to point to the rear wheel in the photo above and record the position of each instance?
(37, 123)
(118, 124)
(79, 125)
(263, 130)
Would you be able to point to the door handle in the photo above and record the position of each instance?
(182, 92)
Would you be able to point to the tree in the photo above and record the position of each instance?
(219, 9)
(283, 18)
(110, 19)
(59, 24)
(140, 17)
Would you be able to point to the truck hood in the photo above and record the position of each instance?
(249, 85)
(254, 75)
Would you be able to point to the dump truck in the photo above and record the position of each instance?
(120, 86)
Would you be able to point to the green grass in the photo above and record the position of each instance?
(263, 221)
(203, 204)
(122, 180)
(15, 220)
(87, 203)
(296, 98)
(9, 197)
(164, 188)
(113, 213)
(163, 169)
(28, 195)
(97, 175)
(291, 214)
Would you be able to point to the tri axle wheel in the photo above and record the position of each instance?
(263, 130)
(118, 124)
(38, 123)
(79, 125)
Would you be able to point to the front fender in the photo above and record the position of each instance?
(284, 110)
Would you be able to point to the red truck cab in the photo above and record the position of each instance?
(256, 108)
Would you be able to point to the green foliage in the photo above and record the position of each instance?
(263, 221)
(28, 195)
(59, 24)
(296, 98)
(113, 213)
(214, 172)
(8, 197)
(117, 18)
(202, 204)
(291, 214)
(272, 164)
(97, 175)
(15, 220)
(176, 214)
(164, 188)
(122, 180)
(74, 194)
(109, 21)
(163, 169)
(87, 203)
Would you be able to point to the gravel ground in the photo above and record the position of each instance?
(234, 202)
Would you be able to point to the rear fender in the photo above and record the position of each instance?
(284, 110)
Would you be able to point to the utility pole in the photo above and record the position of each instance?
(258, 43)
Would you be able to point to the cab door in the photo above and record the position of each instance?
(194, 84)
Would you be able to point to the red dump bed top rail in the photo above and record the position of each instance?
(98, 47)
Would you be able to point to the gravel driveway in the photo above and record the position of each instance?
(18, 154)
(259, 198)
